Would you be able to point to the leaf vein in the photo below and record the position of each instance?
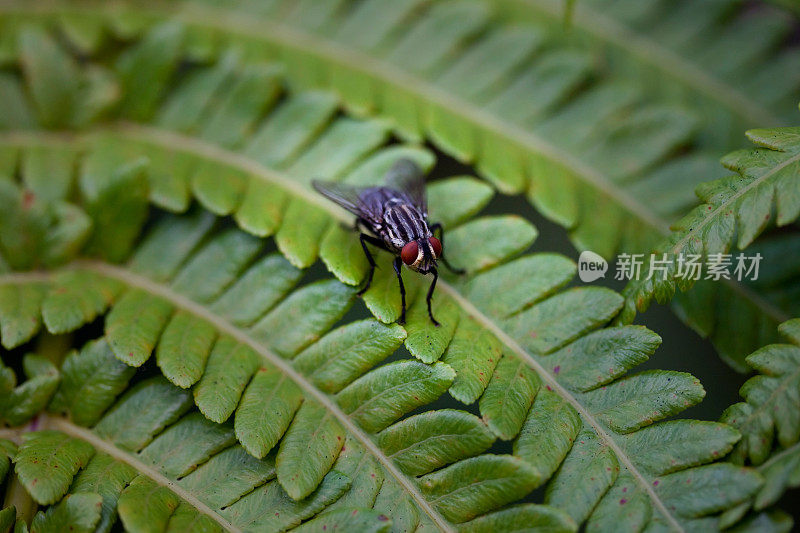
(106, 447)
(241, 336)
(597, 426)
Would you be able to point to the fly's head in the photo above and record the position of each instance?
(421, 255)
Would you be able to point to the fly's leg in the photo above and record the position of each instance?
(396, 264)
(438, 227)
(364, 238)
(430, 295)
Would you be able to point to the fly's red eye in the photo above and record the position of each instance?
(436, 245)
(409, 253)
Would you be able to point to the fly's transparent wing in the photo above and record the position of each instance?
(406, 177)
(346, 196)
(364, 202)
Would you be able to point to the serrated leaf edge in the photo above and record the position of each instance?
(186, 304)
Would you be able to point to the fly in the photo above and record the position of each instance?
(395, 217)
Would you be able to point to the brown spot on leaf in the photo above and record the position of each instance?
(27, 199)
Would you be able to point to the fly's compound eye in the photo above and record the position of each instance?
(437, 246)
(409, 253)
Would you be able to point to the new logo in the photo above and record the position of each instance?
(591, 266)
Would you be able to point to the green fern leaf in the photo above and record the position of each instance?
(145, 484)
(7, 451)
(548, 433)
(63, 94)
(20, 317)
(157, 514)
(225, 378)
(348, 352)
(18, 404)
(521, 517)
(158, 56)
(259, 424)
(768, 419)
(367, 476)
(411, 64)
(48, 172)
(184, 348)
(7, 517)
(16, 113)
(365, 520)
(76, 512)
(308, 449)
(107, 477)
(53, 77)
(392, 501)
(502, 479)
(195, 284)
(46, 463)
(37, 232)
(736, 208)
(79, 299)
(154, 410)
(382, 396)
(508, 397)
(425, 442)
(133, 326)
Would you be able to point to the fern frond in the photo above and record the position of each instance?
(736, 209)
(768, 419)
(689, 53)
(412, 66)
(194, 287)
(433, 68)
(202, 483)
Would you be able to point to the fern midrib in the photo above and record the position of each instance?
(678, 246)
(17, 278)
(659, 56)
(554, 385)
(65, 426)
(334, 52)
(11, 434)
(190, 306)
